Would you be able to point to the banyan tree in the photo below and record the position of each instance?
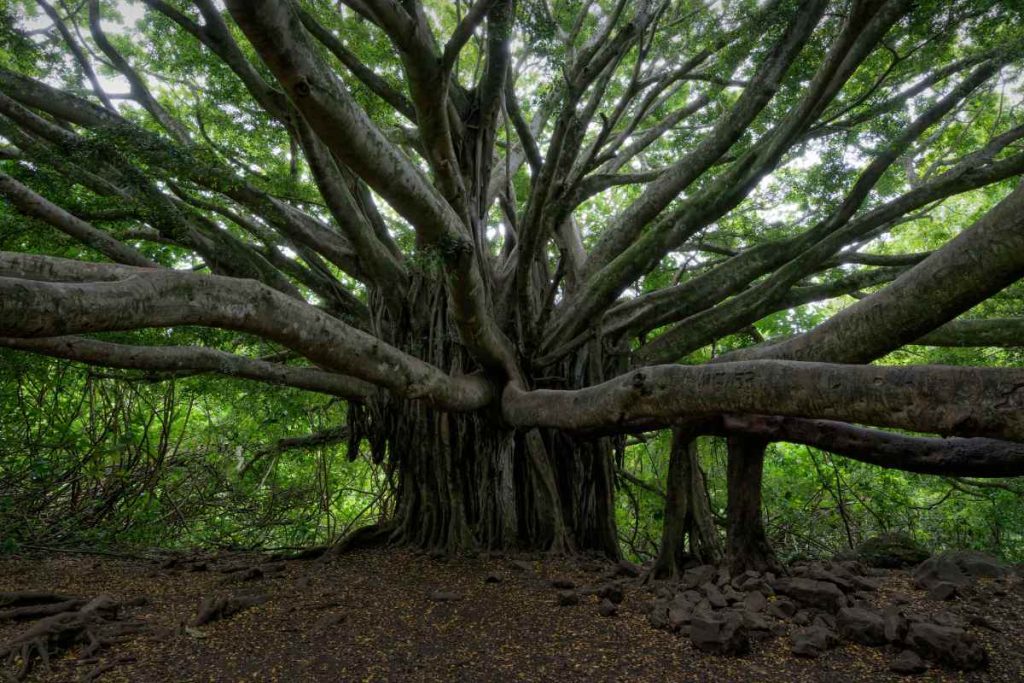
(511, 232)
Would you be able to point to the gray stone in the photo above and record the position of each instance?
(612, 593)
(810, 593)
(891, 551)
(948, 645)
(732, 595)
(568, 598)
(782, 608)
(699, 575)
(678, 616)
(942, 591)
(895, 624)
(813, 641)
(826, 620)
(755, 602)
(657, 614)
(714, 596)
(720, 633)
(756, 621)
(607, 608)
(861, 626)
(908, 662)
(959, 568)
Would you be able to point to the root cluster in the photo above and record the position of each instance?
(60, 624)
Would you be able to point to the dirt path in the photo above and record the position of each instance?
(382, 616)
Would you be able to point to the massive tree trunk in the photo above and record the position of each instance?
(747, 544)
(470, 481)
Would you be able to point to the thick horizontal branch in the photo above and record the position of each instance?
(955, 457)
(168, 298)
(939, 399)
(1004, 332)
(193, 359)
(53, 269)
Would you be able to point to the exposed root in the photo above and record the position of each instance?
(67, 623)
(24, 598)
(30, 612)
(216, 607)
(364, 537)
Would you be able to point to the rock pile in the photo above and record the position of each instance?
(820, 605)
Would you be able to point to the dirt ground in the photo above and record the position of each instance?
(376, 615)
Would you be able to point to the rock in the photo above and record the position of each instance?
(719, 632)
(947, 618)
(732, 595)
(891, 551)
(895, 624)
(568, 598)
(521, 565)
(802, 618)
(493, 577)
(813, 641)
(861, 626)
(755, 602)
(724, 577)
(819, 574)
(810, 593)
(942, 591)
(948, 645)
(826, 620)
(958, 568)
(657, 615)
(714, 596)
(782, 608)
(678, 617)
(699, 575)
(755, 621)
(444, 596)
(749, 575)
(691, 596)
(628, 569)
(564, 584)
(839, 574)
(908, 662)
(612, 593)
(607, 608)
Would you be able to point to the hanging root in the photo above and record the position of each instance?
(91, 625)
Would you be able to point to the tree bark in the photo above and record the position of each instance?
(747, 547)
(687, 512)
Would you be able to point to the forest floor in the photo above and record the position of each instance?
(394, 615)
